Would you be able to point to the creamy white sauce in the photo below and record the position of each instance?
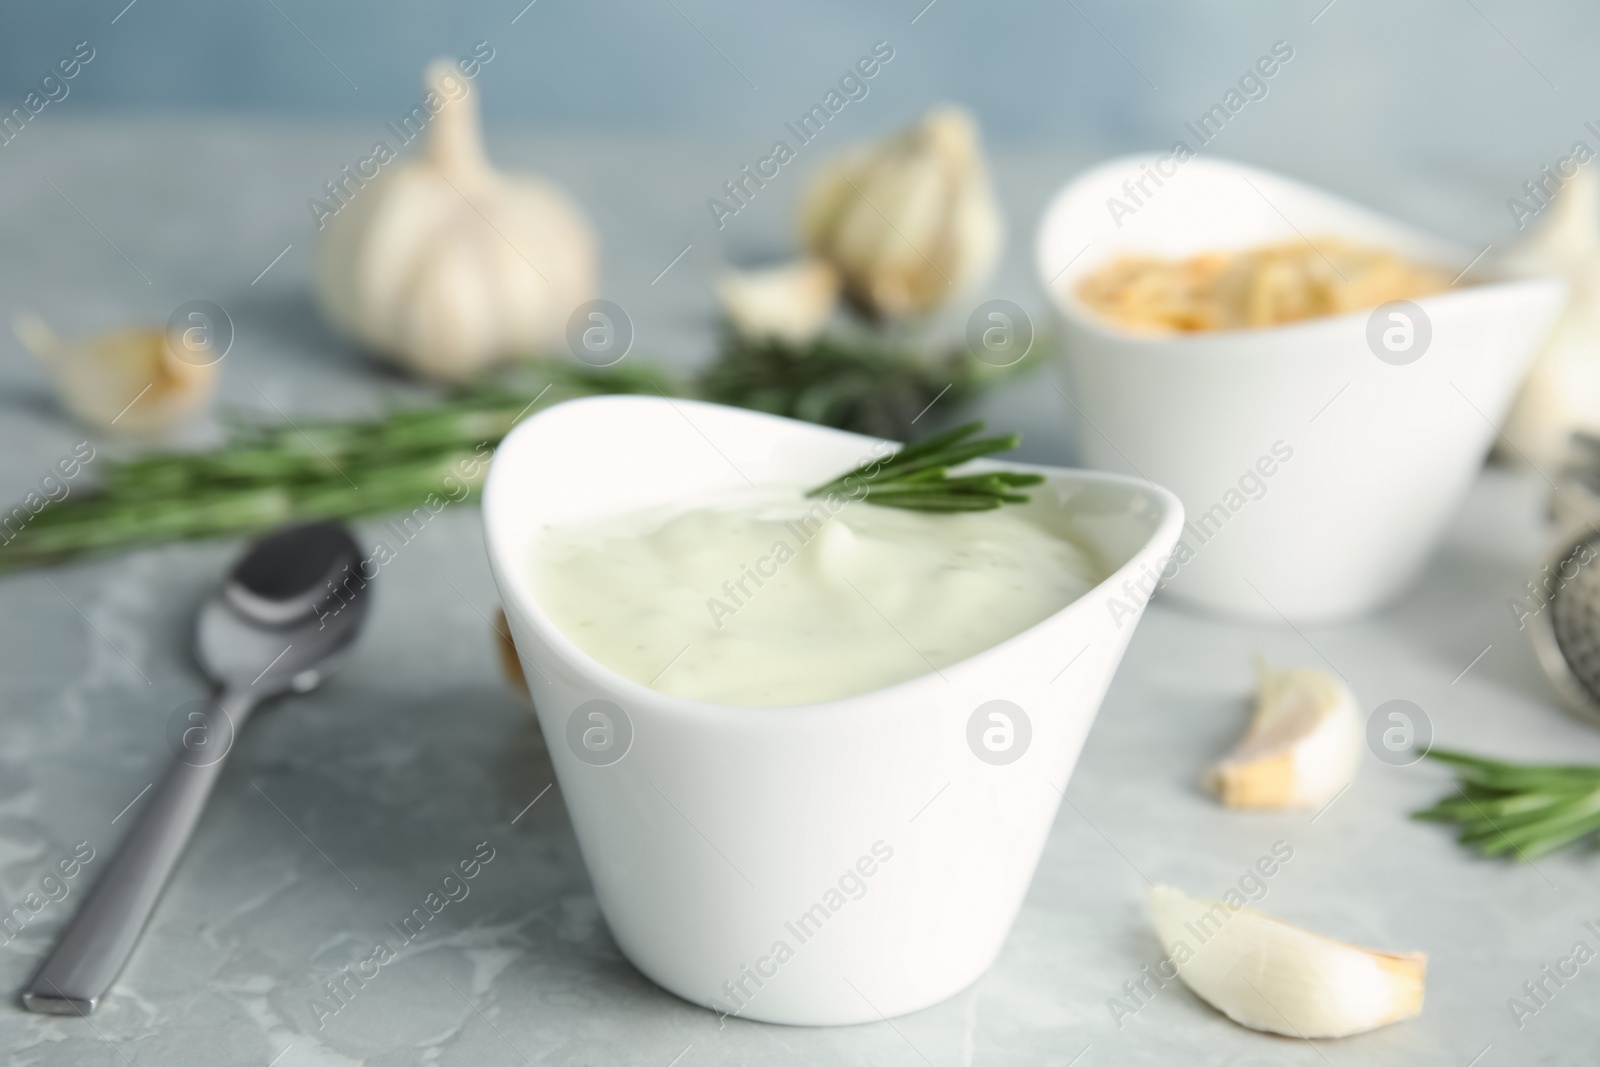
(767, 598)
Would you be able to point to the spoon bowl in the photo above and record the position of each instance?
(287, 612)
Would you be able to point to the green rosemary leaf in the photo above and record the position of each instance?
(916, 476)
(269, 474)
(854, 382)
(1555, 839)
(1523, 810)
(941, 502)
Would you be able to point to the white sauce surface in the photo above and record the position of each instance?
(766, 598)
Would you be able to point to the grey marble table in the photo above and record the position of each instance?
(341, 810)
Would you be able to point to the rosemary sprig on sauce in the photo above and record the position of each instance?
(917, 477)
(1525, 810)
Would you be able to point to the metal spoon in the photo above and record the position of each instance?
(280, 622)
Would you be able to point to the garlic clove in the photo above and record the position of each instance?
(448, 322)
(1265, 974)
(446, 266)
(789, 303)
(374, 252)
(1301, 748)
(127, 379)
(909, 222)
(1561, 393)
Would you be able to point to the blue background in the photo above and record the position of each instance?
(1477, 93)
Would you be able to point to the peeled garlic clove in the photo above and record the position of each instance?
(128, 379)
(909, 222)
(1561, 393)
(1265, 974)
(1302, 746)
(788, 303)
(446, 266)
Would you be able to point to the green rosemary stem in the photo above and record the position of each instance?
(1524, 810)
(266, 475)
(916, 477)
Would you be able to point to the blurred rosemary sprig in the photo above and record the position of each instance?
(265, 475)
(1526, 810)
(917, 476)
(268, 474)
(852, 382)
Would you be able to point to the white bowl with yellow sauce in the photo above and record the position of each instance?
(1318, 460)
(844, 833)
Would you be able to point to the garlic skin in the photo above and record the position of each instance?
(789, 303)
(445, 266)
(1302, 747)
(1265, 974)
(909, 222)
(127, 379)
(1561, 393)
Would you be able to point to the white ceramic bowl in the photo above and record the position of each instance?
(719, 828)
(1379, 454)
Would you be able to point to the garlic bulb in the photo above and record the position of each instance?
(446, 266)
(789, 303)
(129, 379)
(1561, 392)
(909, 222)
(1302, 746)
(1265, 974)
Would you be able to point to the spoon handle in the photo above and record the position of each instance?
(90, 952)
